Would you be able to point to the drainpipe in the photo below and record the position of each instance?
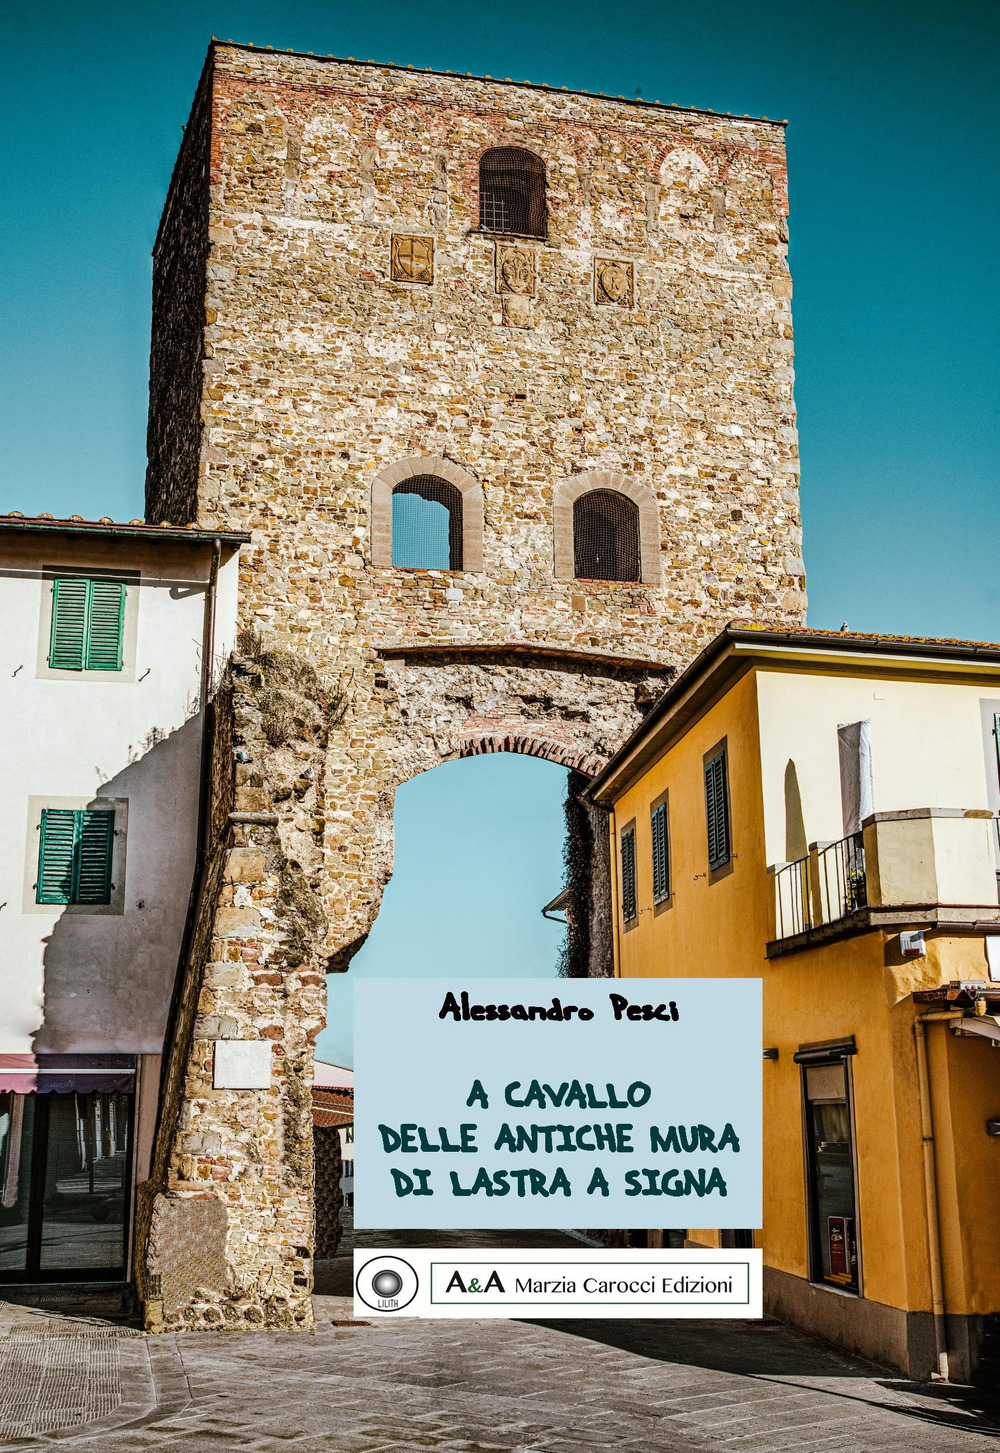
(616, 942)
(930, 1185)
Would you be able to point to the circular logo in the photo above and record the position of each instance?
(387, 1283)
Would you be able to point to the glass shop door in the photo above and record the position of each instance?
(65, 1169)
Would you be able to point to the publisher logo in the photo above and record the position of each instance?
(387, 1283)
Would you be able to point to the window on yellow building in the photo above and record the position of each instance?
(660, 835)
(717, 820)
(829, 1138)
(630, 907)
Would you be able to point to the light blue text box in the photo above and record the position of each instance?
(703, 1068)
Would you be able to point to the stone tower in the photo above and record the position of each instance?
(565, 318)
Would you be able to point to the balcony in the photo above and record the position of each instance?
(929, 866)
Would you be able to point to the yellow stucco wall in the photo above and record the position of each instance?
(857, 986)
(709, 928)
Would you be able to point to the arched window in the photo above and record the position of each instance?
(427, 513)
(512, 192)
(605, 536)
(427, 524)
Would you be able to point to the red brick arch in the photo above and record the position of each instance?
(531, 746)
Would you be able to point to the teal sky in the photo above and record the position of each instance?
(892, 150)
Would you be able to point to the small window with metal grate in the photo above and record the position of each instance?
(512, 192)
(717, 811)
(427, 524)
(605, 536)
(660, 853)
(630, 908)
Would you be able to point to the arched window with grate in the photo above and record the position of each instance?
(512, 192)
(427, 524)
(606, 536)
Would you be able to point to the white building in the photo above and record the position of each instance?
(112, 634)
(333, 1107)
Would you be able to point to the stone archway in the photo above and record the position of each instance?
(436, 702)
(303, 790)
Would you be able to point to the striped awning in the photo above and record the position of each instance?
(64, 1074)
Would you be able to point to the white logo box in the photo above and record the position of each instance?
(640, 1283)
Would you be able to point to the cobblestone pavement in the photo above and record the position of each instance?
(495, 1387)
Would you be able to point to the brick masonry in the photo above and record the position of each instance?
(302, 355)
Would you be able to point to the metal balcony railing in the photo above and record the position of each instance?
(792, 899)
(824, 887)
(840, 878)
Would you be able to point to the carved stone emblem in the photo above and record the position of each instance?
(412, 259)
(516, 271)
(517, 311)
(613, 282)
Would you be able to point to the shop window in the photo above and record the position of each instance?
(630, 908)
(830, 1155)
(606, 536)
(660, 835)
(739, 1240)
(88, 624)
(64, 1181)
(512, 192)
(75, 854)
(717, 821)
(427, 524)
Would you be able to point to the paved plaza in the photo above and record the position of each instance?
(481, 1387)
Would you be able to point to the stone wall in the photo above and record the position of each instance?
(180, 259)
(319, 370)
(646, 340)
(225, 1229)
(589, 950)
(329, 1197)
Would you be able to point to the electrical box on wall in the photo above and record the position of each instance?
(912, 943)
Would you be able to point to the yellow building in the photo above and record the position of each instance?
(821, 810)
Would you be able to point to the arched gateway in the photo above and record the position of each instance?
(330, 322)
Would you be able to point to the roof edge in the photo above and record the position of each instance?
(495, 80)
(176, 534)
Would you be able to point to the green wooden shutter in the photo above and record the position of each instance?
(105, 625)
(74, 856)
(95, 840)
(661, 853)
(56, 856)
(68, 636)
(88, 624)
(629, 907)
(717, 811)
